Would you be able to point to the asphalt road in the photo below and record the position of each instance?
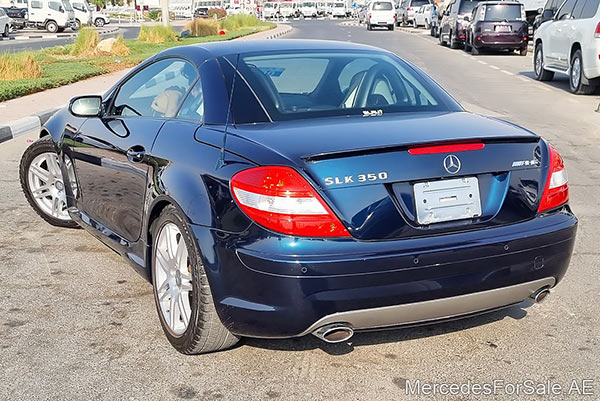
(77, 323)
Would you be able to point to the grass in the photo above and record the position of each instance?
(157, 34)
(200, 27)
(15, 66)
(58, 67)
(239, 21)
(85, 43)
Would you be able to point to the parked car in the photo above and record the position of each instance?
(407, 10)
(17, 16)
(497, 25)
(542, 16)
(100, 18)
(309, 9)
(271, 10)
(453, 26)
(423, 16)
(381, 14)
(569, 43)
(289, 9)
(202, 12)
(4, 23)
(258, 207)
(339, 9)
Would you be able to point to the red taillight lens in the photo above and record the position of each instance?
(448, 148)
(280, 199)
(369, 16)
(597, 33)
(556, 191)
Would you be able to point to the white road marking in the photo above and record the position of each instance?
(481, 62)
(507, 72)
(494, 67)
(524, 79)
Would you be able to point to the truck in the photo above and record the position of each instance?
(85, 13)
(51, 15)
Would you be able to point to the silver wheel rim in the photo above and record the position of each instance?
(173, 283)
(576, 72)
(46, 185)
(538, 62)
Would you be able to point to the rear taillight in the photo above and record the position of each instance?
(597, 33)
(556, 191)
(369, 15)
(280, 199)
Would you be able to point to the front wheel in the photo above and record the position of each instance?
(51, 26)
(467, 47)
(99, 22)
(76, 25)
(452, 40)
(391, 27)
(181, 290)
(576, 76)
(42, 182)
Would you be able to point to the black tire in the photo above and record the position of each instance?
(43, 145)
(391, 27)
(77, 25)
(440, 39)
(467, 46)
(576, 81)
(523, 51)
(205, 332)
(51, 27)
(6, 31)
(369, 27)
(99, 22)
(452, 41)
(541, 74)
(475, 51)
(432, 31)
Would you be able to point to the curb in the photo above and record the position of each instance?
(285, 31)
(57, 36)
(23, 125)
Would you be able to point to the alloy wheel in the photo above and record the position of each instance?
(576, 72)
(538, 63)
(173, 279)
(47, 186)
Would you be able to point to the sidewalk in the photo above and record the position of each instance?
(33, 104)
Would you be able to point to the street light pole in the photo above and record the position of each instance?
(164, 5)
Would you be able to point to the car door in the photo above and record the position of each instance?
(560, 46)
(109, 152)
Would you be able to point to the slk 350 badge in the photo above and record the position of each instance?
(351, 179)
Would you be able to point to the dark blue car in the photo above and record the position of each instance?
(280, 188)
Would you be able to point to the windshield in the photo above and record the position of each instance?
(323, 84)
(382, 5)
(308, 4)
(503, 12)
(67, 5)
(467, 6)
(269, 5)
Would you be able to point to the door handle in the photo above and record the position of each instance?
(136, 154)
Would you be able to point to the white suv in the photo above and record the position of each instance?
(569, 43)
(381, 13)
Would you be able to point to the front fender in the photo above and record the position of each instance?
(62, 125)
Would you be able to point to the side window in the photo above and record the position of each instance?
(54, 5)
(590, 9)
(155, 91)
(567, 9)
(36, 4)
(193, 106)
(578, 9)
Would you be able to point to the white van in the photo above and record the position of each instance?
(381, 13)
(309, 9)
(338, 9)
(52, 15)
(83, 14)
(289, 9)
(270, 10)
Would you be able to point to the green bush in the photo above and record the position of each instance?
(154, 15)
(219, 12)
(157, 34)
(86, 42)
(200, 27)
(239, 21)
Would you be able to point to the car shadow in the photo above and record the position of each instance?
(560, 81)
(366, 338)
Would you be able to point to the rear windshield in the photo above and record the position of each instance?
(503, 12)
(323, 84)
(467, 6)
(382, 5)
(418, 3)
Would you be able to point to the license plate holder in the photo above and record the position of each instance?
(503, 28)
(447, 200)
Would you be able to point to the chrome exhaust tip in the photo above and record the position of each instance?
(540, 295)
(334, 333)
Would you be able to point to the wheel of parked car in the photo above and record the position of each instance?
(77, 25)
(368, 27)
(99, 22)
(467, 46)
(42, 183)
(576, 76)
(51, 26)
(391, 27)
(523, 51)
(440, 39)
(541, 74)
(452, 41)
(6, 31)
(181, 291)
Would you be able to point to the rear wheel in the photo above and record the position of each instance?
(441, 38)
(181, 290)
(467, 47)
(523, 51)
(99, 22)
(42, 183)
(6, 31)
(77, 25)
(452, 40)
(541, 74)
(576, 76)
(391, 27)
(474, 51)
(368, 26)
(51, 26)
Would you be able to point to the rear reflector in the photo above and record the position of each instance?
(597, 33)
(556, 192)
(280, 199)
(449, 148)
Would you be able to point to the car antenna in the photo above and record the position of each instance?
(221, 161)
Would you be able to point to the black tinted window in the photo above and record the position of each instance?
(418, 3)
(567, 9)
(193, 106)
(381, 5)
(503, 12)
(590, 9)
(467, 6)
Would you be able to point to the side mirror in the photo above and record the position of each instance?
(86, 106)
(547, 15)
(61, 9)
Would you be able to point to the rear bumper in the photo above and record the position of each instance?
(495, 41)
(267, 285)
